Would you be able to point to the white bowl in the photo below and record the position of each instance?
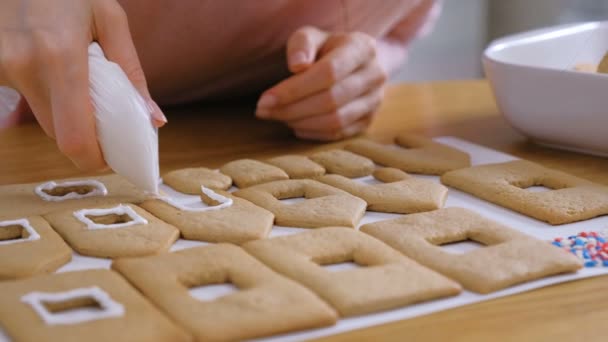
(541, 95)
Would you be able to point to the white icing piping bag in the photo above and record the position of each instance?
(126, 134)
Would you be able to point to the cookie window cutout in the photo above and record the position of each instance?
(91, 305)
(413, 154)
(344, 163)
(297, 167)
(69, 190)
(120, 216)
(29, 246)
(507, 258)
(324, 205)
(505, 184)
(383, 282)
(265, 303)
(73, 306)
(15, 231)
(400, 193)
(191, 180)
(218, 218)
(248, 172)
(115, 231)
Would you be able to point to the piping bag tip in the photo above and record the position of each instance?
(126, 134)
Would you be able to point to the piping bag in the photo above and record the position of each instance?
(126, 134)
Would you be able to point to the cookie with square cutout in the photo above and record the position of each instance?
(413, 154)
(508, 258)
(42, 308)
(237, 223)
(248, 172)
(323, 206)
(113, 231)
(29, 246)
(387, 279)
(402, 195)
(266, 303)
(570, 199)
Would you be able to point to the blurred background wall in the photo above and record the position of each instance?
(453, 50)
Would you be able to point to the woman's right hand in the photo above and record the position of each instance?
(44, 56)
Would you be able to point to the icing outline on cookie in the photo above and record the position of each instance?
(25, 224)
(225, 202)
(99, 190)
(109, 307)
(121, 209)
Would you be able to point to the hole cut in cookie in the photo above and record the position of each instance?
(52, 191)
(385, 281)
(324, 205)
(462, 246)
(207, 293)
(73, 306)
(292, 200)
(265, 304)
(538, 188)
(120, 216)
(570, 199)
(342, 266)
(14, 231)
(508, 258)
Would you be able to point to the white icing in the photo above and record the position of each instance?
(109, 307)
(126, 134)
(99, 189)
(225, 202)
(33, 234)
(82, 214)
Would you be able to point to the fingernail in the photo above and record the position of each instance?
(298, 58)
(267, 101)
(262, 113)
(156, 112)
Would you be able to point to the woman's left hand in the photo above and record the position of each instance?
(336, 88)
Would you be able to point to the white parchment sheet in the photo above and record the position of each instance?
(479, 155)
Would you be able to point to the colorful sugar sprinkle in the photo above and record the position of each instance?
(591, 247)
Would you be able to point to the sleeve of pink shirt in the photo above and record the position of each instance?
(392, 48)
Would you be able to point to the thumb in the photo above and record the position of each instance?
(303, 47)
(114, 36)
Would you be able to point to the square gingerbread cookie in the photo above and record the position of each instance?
(190, 180)
(29, 246)
(265, 303)
(248, 172)
(92, 305)
(297, 167)
(508, 257)
(113, 231)
(385, 280)
(570, 199)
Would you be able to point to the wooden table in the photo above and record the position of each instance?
(212, 135)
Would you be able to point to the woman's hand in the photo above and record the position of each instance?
(44, 56)
(336, 88)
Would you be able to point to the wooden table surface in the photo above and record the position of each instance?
(212, 135)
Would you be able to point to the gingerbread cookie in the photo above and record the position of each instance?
(407, 195)
(508, 258)
(190, 180)
(344, 163)
(385, 280)
(21, 200)
(571, 198)
(238, 222)
(267, 303)
(248, 172)
(92, 305)
(113, 231)
(29, 246)
(415, 154)
(297, 167)
(324, 205)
